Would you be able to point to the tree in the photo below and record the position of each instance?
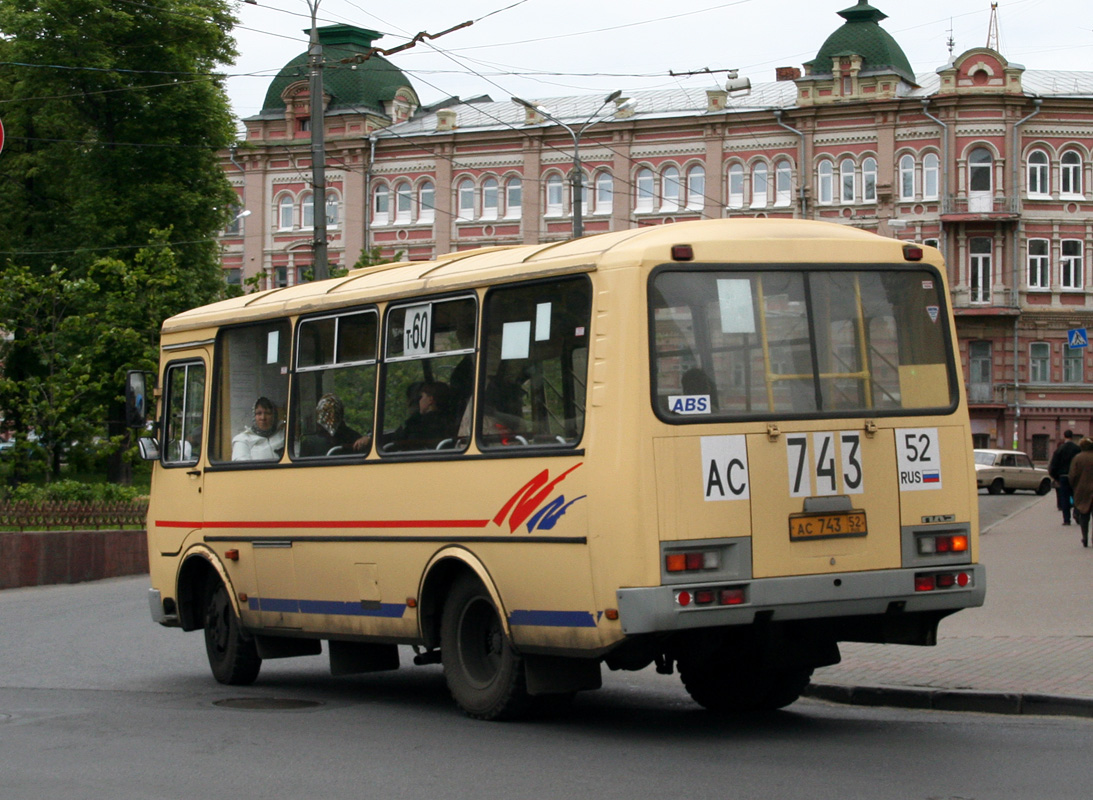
(109, 178)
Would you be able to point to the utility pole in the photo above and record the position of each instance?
(318, 150)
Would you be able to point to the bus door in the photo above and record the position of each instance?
(179, 477)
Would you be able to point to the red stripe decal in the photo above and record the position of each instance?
(326, 523)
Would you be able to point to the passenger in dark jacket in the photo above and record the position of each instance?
(1059, 469)
(1081, 480)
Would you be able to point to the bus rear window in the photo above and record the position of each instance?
(796, 343)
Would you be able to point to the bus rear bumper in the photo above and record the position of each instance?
(673, 608)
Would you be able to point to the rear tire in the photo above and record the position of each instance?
(735, 687)
(484, 673)
(233, 658)
(996, 486)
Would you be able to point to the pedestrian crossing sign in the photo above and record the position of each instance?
(1077, 337)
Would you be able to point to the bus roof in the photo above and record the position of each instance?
(716, 241)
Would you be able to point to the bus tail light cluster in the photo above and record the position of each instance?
(942, 544)
(712, 596)
(692, 561)
(939, 581)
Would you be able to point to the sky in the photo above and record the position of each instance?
(548, 48)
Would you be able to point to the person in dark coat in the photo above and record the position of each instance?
(1059, 469)
(1081, 481)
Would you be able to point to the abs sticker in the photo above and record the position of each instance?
(725, 468)
(689, 403)
(918, 458)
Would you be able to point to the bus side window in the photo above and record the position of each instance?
(535, 357)
(250, 392)
(183, 417)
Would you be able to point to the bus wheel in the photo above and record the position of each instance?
(485, 674)
(734, 688)
(234, 660)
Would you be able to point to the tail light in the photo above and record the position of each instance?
(942, 544)
(936, 581)
(692, 560)
(717, 596)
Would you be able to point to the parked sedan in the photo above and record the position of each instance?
(1009, 470)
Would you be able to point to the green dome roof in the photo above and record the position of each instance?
(362, 86)
(862, 35)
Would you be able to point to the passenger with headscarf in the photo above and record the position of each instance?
(333, 436)
(264, 439)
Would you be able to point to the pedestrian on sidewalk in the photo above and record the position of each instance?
(1081, 482)
(1059, 470)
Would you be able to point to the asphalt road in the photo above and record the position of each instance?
(98, 702)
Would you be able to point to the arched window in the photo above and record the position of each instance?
(490, 198)
(1070, 176)
(333, 209)
(869, 180)
(404, 203)
(285, 209)
(736, 186)
(759, 183)
(514, 197)
(846, 180)
(980, 180)
(644, 187)
(1038, 180)
(426, 202)
(826, 191)
(605, 192)
(669, 189)
(696, 187)
(465, 198)
(931, 177)
(783, 182)
(554, 195)
(307, 210)
(907, 177)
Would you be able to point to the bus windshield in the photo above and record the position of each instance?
(799, 343)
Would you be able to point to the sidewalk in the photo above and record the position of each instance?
(1028, 650)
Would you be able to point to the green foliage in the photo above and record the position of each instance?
(370, 258)
(71, 491)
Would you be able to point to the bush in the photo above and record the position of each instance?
(70, 491)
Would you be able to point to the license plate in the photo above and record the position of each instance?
(827, 526)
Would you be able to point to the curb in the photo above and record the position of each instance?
(953, 700)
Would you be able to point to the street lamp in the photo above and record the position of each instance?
(577, 176)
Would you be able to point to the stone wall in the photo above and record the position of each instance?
(38, 558)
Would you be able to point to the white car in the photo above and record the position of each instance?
(1007, 471)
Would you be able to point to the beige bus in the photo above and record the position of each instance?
(720, 447)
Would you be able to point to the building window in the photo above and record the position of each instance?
(907, 178)
(381, 204)
(307, 210)
(869, 180)
(979, 269)
(333, 209)
(1071, 264)
(979, 372)
(1039, 362)
(826, 182)
(285, 208)
(465, 199)
(1038, 185)
(644, 187)
(846, 180)
(696, 187)
(404, 203)
(554, 195)
(736, 186)
(759, 183)
(1039, 264)
(669, 189)
(605, 193)
(235, 224)
(1071, 174)
(783, 182)
(936, 243)
(490, 198)
(426, 202)
(980, 180)
(1073, 361)
(233, 276)
(930, 175)
(514, 197)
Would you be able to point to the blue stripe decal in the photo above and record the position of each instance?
(331, 607)
(553, 619)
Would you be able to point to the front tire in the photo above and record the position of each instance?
(996, 486)
(1044, 487)
(233, 658)
(484, 673)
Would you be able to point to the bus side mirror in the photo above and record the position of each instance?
(149, 448)
(136, 411)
